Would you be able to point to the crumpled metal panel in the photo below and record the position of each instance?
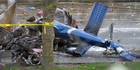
(127, 56)
(93, 25)
(8, 15)
(5, 36)
(82, 48)
(86, 39)
(67, 32)
(137, 55)
(96, 18)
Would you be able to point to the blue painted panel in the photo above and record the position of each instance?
(96, 18)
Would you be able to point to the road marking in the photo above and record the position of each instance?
(121, 13)
(78, 20)
(78, 14)
(25, 14)
(106, 13)
(116, 30)
(21, 20)
(124, 19)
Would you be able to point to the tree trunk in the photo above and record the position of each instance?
(49, 7)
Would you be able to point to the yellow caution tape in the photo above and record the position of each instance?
(20, 24)
(47, 23)
(44, 24)
(44, 27)
(109, 35)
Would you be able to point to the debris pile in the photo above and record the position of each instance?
(25, 42)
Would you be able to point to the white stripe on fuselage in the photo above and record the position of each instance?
(69, 32)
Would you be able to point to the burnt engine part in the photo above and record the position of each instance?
(5, 37)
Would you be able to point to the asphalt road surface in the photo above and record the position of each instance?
(124, 16)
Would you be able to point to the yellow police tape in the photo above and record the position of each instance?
(44, 24)
(109, 35)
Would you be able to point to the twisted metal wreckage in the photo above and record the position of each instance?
(25, 42)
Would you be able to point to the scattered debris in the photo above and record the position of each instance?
(119, 40)
(25, 42)
(138, 24)
(31, 8)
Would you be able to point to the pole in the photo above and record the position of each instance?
(111, 31)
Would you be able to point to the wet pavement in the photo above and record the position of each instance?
(124, 16)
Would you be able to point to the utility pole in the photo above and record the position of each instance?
(49, 7)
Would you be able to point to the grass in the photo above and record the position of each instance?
(84, 66)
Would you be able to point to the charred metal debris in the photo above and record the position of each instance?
(25, 43)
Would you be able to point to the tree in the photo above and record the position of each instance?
(49, 7)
